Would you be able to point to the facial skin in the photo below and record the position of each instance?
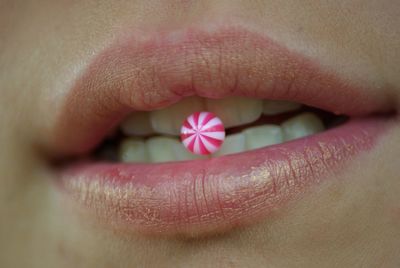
(353, 221)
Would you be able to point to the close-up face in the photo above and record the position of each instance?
(199, 133)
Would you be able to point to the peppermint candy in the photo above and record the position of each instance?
(202, 133)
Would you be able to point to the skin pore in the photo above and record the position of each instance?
(352, 221)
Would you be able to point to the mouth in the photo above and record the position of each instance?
(290, 122)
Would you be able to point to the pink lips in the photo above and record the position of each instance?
(203, 196)
(197, 197)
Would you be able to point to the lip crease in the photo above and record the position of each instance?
(213, 195)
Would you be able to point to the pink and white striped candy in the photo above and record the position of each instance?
(202, 133)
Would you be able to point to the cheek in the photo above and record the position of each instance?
(394, 214)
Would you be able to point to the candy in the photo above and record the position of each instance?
(202, 133)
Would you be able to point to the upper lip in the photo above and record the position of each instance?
(135, 74)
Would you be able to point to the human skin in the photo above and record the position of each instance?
(351, 221)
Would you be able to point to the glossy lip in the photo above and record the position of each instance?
(205, 196)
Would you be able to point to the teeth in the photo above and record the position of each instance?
(279, 107)
(169, 120)
(133, 150)
(160, 149)
(233, 144)
(235, 111)
(164, 149)
(137, 124)
(257, 137)
(302, 125)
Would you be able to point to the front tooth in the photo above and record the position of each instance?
(170, 119)
(302, 125)
(234, 143)
(261, 136)
(137, 124)
(235, 111)
(165, 149)
(132, 150)
(271, 107)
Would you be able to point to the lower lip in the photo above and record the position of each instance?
(215, 195)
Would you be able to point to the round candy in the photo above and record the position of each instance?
(202, 133)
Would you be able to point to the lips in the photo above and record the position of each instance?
(203, 196)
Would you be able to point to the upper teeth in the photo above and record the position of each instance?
(137, 124)
(233, 111)
(170, 119)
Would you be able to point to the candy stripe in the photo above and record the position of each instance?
(215, 142)
(202, 116)
(186, 136)
(188, 142)
(191, 122)
(196, 119)
(203, 149)
(208, 117)
(196, 147)
(211, 148)
(186, 130)
(216, 135)
(213, 122)
(216, 128)
(187, 125)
